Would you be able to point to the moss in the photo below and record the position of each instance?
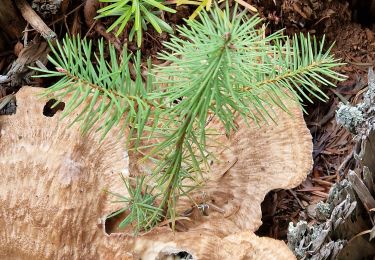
(323, 210)
(349, 117)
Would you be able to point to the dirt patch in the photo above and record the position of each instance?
(355, 44)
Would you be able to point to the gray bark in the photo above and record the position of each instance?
(345, 222)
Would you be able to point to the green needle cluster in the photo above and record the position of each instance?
(140, 12)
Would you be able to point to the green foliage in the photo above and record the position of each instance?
(139, 204)
(220, 65)
(224, 63)
(113, 96)
(141, 12)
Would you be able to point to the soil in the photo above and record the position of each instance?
(350, 24)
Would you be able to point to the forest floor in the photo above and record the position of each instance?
(349, 25)
(333, 145)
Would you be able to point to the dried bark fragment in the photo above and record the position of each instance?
(46, 8)
(316, 241)
(34, 20)
(360, 119)
(361, 190)
(19, 72)
(7, 105)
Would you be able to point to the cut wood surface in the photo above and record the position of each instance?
(53, 205)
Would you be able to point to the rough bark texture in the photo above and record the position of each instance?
(53, 205)
(19, 73)
(346, 226)
(46, 8)
(360, 119)
(34, 20)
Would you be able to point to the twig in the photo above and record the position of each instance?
(323, 182)
(66, 15)
(341, 97)
(339, 171)
(89, 11)
(216, 208)
(34, 20)
(294, 194)
(59, 19)
(248, 6)
(320, 194)
(5, 100)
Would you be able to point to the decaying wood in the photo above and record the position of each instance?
(360, 119)
(358, 248)
(19, 72)
(53, 205)
(368, 179)
(361, 190)
(347, 217)
(7, 105)
(48, 7)
(315, 242)
(34, 20)
(367, 154)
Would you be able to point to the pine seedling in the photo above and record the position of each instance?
(223, 64)
(140, 12)
(220, 65)
(114, 99)
(139, 204)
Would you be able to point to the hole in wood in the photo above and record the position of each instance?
(52, 106)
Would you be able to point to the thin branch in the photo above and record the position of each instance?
(34, 20)
(102, 90)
